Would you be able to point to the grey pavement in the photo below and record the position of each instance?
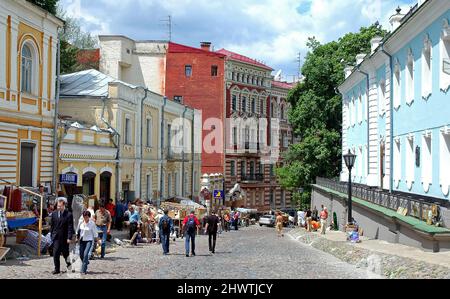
(250, 253)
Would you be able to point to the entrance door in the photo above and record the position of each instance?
(382, 164)
(126, 191)
(26, 164)
(89, 183)
(105, 186)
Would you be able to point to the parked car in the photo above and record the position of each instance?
(267, 220)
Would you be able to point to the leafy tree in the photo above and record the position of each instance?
(316, 111)
(48, 5)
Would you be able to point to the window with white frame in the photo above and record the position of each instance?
(234, 102)
(427, 161)
(381, 97)
(397, 86)
(149, 127)
(410, 162)
(445, 57)
(444, 160)
(427, 75)
(27, 69)
(360, 109)
(128, 136)
(409, 78)
(397, 162)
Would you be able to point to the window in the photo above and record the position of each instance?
(27, 69)
(397, 162)
(427, 75)
(253, 81)
(410, 162)
(253, 105)
(261, 107)
(243, 168)
(233, 102)
(244, 104)
(444, 160)
(248, 80)
(178, 99)
(397, 86)
(272, 108)
(127, 131)
(149, 127)
(410, 79)
(235, 136)
(381, 98)
(149, 187)
(233, 168)
(282, 111)
(188, 70)
(214, 71)
(427, 162)
(260, 168)
(445, 57)
(252, 168)
(272, 170)
(176, 185)
(169, 185)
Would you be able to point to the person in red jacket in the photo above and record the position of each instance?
(190, 226)
(111, 207)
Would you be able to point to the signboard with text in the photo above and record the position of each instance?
(68, 179)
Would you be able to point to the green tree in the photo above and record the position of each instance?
(48, 5)
(316, 111)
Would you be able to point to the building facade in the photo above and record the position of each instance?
(394, 109)
(146, 166)
(28, 47)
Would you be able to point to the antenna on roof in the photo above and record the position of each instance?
(168, 23)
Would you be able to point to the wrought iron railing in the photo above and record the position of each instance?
(413, 207)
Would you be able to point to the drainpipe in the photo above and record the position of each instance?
(161, 179)
(391, 103)
(56, 140)
(368, 117)
(193, 155)
(183, 156)
(117, 145)
(141, 146)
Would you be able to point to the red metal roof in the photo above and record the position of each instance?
(243, 58)
(178, 48)
(284, 85)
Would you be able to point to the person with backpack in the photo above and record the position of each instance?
(165, 229)
(190, 225)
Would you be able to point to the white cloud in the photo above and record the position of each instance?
(273, 31)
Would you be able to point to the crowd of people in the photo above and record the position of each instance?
(314, 220)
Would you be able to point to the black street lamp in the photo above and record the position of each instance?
(349, 159)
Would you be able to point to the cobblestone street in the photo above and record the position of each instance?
(250, 253)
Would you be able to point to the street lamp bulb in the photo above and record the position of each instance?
(349, 159)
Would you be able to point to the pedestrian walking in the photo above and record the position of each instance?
(190, 225)
(226, 219)
(120, 213)
(165, 229)
(279, 224)
(323, 220)
(61, 233)
(103, 222)
(86, 234)
(308, 220)
(212, 225)
(237, 215)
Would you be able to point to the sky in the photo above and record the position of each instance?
(271, 31)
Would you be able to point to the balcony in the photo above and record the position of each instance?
(252, 178)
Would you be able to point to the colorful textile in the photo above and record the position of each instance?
(32, 239)
(3, 222)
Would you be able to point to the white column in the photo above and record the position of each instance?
(388, 86)
(372, 177)
(14, 36)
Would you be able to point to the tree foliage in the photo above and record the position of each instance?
(316, 110)
(48, 5)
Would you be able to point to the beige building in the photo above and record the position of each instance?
(146, 163)
(28, 46)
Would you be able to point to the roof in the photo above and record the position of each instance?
(89, 83)
(177, 48)
(243, 58)
(283, 85)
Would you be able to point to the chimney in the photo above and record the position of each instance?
(348, 71)
(396, 19)
(205, 46)
(360, 58)
(375, 42)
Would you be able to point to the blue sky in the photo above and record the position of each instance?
(273, 31)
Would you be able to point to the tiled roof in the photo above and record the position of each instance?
(90, 83)
(243, 58)
(177, 48)
(284, 85)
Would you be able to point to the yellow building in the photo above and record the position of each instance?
(28, 46)
(146, 169)
(89, 155)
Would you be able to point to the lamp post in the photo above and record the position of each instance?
(349, 159)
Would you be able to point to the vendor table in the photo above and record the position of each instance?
(21, 222)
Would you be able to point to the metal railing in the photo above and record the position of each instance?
(414, 207)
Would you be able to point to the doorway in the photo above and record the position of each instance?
(26, 164)
(105, 186)
(89, 183)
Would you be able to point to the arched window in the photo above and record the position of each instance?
(427, 68)
(282, 111)
(27, 69)
(253, 105)
(244, 104)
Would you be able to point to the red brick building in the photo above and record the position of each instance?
(195, 77)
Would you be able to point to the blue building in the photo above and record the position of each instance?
(396, 106)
